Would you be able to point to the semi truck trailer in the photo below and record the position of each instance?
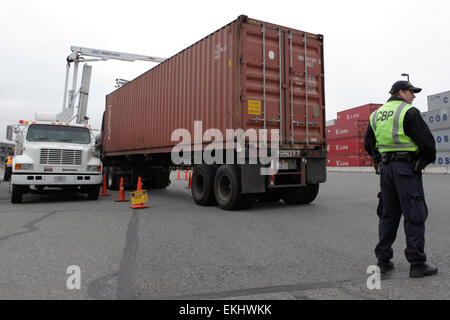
(243, 107)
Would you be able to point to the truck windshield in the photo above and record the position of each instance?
(58, 133)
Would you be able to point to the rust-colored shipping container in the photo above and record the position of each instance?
(348, 129)
(349, 160)
(358, 113)
(248, 74)
(346, 146)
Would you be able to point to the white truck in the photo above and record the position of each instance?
(52, 152)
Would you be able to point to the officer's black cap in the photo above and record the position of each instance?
(404, 85)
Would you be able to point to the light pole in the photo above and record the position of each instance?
(405, 75)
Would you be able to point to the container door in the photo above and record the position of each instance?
(305, 116)
(262, 94)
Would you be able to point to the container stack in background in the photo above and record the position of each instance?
(437, 118)
(345, 137)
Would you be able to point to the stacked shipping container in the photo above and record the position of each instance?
(438, 121)
(345, 139)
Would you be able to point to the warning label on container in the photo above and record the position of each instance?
(254, 107)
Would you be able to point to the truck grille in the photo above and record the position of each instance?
(61, 157)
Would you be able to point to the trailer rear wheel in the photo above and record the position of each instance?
(227, 189)
(301, 195)
(203, 185)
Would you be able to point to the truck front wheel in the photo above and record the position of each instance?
(93, 192)
(203, 185)
(16, 193)
(301, 195)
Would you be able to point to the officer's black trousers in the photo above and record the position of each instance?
(401, 192)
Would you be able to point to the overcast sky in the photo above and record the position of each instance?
(368, 45)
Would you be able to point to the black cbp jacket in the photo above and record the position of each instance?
(415, 128)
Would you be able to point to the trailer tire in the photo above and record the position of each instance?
(301, 195)
(16, 193)
(202, 185)
(112, 179)
(227, 187)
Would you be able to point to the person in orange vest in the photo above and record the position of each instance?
(8, 168)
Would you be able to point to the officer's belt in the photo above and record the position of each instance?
(398, 156)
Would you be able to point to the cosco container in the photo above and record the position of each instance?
(439, 101)
(437, 119)
(441, 138)
(249, 75)
(442, 159)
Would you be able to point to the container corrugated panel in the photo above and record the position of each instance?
(439, 101)
(248, 74)
(437, 119)
(442, 159)
(358, 113)
(349, 160)
(346, 146)
(347, 129)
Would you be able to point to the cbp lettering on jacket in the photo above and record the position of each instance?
(385, 115)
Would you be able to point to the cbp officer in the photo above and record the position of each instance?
(399, 138)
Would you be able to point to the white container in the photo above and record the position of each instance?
(437, 119)
(438, 101)
(442, 139)
(442, 159)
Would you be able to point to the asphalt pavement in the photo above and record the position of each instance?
(178, 250)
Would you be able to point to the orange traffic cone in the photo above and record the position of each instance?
(190, 180)
(104, 189)
(139, 205)
(121, 193)
(178, 176)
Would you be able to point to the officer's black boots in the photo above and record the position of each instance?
(422, 270)
(385, 265)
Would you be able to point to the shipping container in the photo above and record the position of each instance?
(438, 101)
(347, 129)
(349, 160)
(437, 119)
(442, 159)
(248, 75)
(346, 146)
(358, 113)
(441, 138)
(331, 122)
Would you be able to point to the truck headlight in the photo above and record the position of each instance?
(20, 166)
(94, 168)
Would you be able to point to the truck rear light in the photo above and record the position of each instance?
(99, 168)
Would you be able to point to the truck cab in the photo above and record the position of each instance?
(50, 154)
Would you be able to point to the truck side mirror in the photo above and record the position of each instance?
(9, 132)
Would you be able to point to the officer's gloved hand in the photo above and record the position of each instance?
(419, 165)
(377, 166)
